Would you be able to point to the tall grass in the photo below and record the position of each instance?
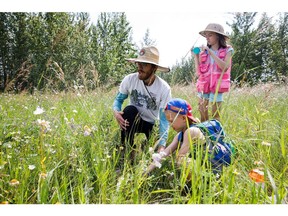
(70, 156)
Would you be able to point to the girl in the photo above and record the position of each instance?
(213, 67)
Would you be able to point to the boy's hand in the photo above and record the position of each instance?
(161, 148)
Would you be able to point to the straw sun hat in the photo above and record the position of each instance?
(214, 27)
(149, 55)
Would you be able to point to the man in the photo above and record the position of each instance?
(148, 97)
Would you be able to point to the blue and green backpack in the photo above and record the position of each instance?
(219, 148)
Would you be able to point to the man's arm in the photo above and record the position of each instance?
(117, 106)
(163, 130)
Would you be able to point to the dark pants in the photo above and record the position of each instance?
(136, 125)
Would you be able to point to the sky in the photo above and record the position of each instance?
(174, 32)
(174, 25)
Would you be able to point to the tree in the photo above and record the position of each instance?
(4, 49)
(279, 49)
(182, 73)
(147, 41)
(261, 52)
(112, 44)
(243, 39)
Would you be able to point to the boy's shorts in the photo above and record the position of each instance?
(211, 96)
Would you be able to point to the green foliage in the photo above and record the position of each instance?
(111, 43)
(257, 49)
(70, 156)
(60, 51)
(147, 41)
(278, 61)
(182, 73)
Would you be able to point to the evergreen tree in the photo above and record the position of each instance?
(112, 44)
(147, 41)
(243, 40)
(279, 58)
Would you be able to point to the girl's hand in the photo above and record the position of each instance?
(204, 47)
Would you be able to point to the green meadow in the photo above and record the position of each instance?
(60, 148)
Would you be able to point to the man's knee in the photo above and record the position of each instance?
(130, 112)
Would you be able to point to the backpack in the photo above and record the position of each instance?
(219, 149)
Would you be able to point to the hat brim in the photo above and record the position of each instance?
(212, 30)
(193, 119)
(160, 68)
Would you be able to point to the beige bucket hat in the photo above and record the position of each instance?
(149, 55)
(214, 27)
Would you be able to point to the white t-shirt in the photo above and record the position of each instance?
(160, 92)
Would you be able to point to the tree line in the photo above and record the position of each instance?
(60, 51)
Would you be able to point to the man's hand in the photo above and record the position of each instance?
(123, 123)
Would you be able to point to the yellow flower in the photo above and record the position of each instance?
(236, 172)
(14, 182)
(43, 175)
(87, 131)
(258, 162)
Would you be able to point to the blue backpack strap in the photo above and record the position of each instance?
(180, 135)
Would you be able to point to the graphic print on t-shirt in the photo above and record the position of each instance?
(143, 100)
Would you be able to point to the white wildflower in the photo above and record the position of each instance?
(151, 150)
(38, 111)
(75, 111)
(119, 183)
(31, 167)
(266, 143)
(45, 125)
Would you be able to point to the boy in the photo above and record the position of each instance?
(179, 113)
